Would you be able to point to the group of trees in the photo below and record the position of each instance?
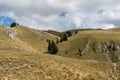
(69, 34)
(65, 36)
(52, 48)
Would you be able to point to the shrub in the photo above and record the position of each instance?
(76, 32)
(14, 24)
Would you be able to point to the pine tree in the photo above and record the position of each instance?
(65, 38)
(49, 46)
(52, 48)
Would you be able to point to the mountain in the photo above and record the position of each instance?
(23, 55)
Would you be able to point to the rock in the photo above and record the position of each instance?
(29, 66)
(106, 46)
(107, 51)
(114, 66)
(12, 34)
(81, 52)
(5, 78)
(9, 32)
(119, 58)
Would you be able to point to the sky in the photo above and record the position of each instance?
(61, 15)
(6, 21)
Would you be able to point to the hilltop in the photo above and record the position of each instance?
(23, 55)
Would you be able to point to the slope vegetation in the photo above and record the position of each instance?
(28, 66)
(23, 57)
(92, 45)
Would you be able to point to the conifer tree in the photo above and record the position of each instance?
(52, 48)
(65, 38)
(49, 46)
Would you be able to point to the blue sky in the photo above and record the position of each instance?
(62, 14)
(6, 21)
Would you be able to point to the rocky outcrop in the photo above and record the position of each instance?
(82, 51)
(106, 46)
(11, 33)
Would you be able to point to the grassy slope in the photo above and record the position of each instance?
(34, 38)
(54, 32)
(27, 39)
(70, 48)
(22, 65)
(17, 61)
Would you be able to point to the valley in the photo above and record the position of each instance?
(86, 55)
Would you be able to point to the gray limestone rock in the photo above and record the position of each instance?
(11, 33)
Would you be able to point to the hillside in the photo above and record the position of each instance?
(92, 45)
(23, 56)
(35, 38)
(26, 38)
(28, 66)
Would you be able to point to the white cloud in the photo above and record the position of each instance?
(77, 21)
(44, 14)
(109, 26)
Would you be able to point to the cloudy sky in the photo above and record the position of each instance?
(61, 14)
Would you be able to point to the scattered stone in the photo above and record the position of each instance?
(29, 66)
(114, 66)
(5, 78)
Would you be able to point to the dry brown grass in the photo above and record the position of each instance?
(28, 66)
(70, 48)
(23, 59)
